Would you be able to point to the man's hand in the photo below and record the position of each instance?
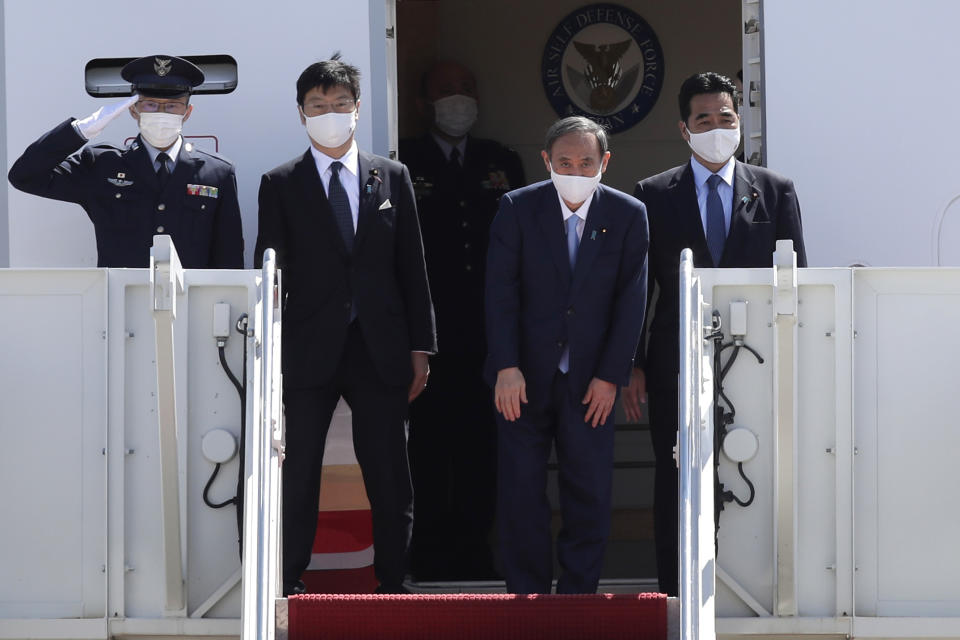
(634, 394)
(91, 126)
(510, 391)
(601, 395)
(421, 371)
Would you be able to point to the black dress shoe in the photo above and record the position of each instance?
(295, 589)
(392, 588)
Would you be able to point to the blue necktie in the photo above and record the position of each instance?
(573, 243)
(340, 205)
(716, 227)
(573, 240)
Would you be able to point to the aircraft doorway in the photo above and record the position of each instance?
(503, 43)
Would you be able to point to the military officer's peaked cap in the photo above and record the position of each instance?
(162, 76)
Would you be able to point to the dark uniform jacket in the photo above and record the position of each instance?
(384, 277)
(456, 207)
(765, 209)
(120, 191)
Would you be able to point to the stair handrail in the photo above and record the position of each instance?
(695, 461)
(261, 531)
(166, 283)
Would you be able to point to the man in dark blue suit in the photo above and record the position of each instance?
(565, 298)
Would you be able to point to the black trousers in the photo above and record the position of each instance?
(380, 442)
(585, 457)
(663, 406)
(453, 460)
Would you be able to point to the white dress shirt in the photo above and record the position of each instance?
(700, 176)
(350, 179)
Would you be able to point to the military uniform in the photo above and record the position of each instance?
(452, 432)
(120, 191)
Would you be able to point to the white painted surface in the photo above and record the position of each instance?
(79, 470)
(858, 96)
(52, 417)
(876, 449)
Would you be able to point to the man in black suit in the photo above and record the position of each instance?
(158, 184)
(730, 214)
(358, 321)
(565, 298)
(458, 180)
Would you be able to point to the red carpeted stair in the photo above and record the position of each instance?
(481, 617)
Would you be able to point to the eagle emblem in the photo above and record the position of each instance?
(603, 61)
(161, 66)
(603, 72)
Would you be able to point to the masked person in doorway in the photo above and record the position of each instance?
(565, 297)
(358, 321)
(158, 184)
(458, 180)
(730, 214)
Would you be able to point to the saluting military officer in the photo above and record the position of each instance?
(458, 180)
(158, 184)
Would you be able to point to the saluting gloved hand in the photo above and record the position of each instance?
(91, 126)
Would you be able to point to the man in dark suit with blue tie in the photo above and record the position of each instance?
(730, 214)
(357, 323)
(565, 298)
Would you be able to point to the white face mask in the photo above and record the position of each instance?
(160, 129)
(575, 189)
(332, 129)
(455, 115)
(716, 145)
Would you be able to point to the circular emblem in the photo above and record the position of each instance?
(603, 61)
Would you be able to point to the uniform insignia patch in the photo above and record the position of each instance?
(161, 66)
(497, 179)
(203, 190)
(119, 181)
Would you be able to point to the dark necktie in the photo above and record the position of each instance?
(716, 227)
(163, 173)
(340, 204)
(455, 159)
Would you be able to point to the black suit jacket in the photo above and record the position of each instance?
(765, 209)
(119, 189)
(384, 277)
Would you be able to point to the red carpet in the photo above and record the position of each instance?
(481, 617)
(343, 531)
